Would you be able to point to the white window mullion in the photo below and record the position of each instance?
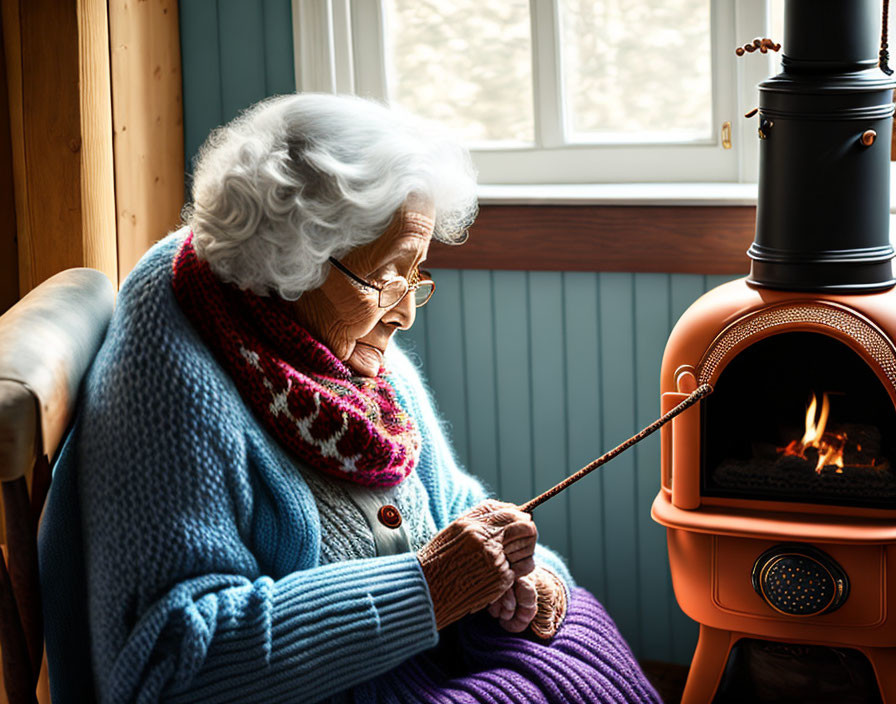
(724, 85)
(313, 46)
(369, 55)
(751, 20)
(343, 69)
(547, 84)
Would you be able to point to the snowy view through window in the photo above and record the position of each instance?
(632, 71)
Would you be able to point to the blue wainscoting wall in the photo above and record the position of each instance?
(233, 54)
(538, 373)
(535, 373)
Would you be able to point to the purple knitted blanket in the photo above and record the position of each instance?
(478, 662)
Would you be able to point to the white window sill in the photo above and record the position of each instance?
(685, 194)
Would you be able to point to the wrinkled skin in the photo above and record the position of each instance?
(537, 600)
(345, 316)
(466, 565)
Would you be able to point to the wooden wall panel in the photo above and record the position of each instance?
(98, 225)
(61, 136)
(148, 124)
(9, 264)
(12, 58)
(47, 140)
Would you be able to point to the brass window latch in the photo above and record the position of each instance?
(726, 135)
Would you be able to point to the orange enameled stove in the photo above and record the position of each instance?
(722, 522)
(779, 489)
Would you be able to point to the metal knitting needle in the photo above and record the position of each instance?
(701, 392)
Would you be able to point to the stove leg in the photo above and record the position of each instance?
(883, 660)
(708, 664)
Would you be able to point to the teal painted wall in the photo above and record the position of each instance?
(536, 373)
(233, 54)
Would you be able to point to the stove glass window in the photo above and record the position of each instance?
(800, 417)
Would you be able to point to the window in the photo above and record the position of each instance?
(555, 91)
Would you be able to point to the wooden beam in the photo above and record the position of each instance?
(148, 124)
(12, 50)
(675, 239)
(9, 266)
(61, 130)
(98, 235)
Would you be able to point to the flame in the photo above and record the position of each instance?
(828, 445)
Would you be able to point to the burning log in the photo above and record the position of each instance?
(839, 460)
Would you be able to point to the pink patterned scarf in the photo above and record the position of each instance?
(348, 426)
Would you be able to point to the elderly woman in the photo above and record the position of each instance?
(258, 503)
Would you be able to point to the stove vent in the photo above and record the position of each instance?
(822, 222)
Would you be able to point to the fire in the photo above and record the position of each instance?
(828, 445)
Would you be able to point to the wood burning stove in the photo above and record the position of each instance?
(779, 490)
(741, 515)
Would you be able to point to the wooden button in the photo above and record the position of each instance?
(389, 516)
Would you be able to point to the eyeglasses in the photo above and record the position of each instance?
(395, 289)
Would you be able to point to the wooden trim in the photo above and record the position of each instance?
(9, 267)
(98, 233)
(148, 124)
(675, 239)
(12, 49)
(57, 56)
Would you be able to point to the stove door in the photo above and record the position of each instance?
(801, 417)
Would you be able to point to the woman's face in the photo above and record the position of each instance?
(346, 317)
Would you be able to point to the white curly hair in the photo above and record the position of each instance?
(298, 178)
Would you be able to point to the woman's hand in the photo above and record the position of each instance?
(477, 558)
(537, 600)
(518, 605)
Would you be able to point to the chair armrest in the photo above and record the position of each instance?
(18, 430)
(47, 342)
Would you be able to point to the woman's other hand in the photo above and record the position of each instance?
(467, 564)
(537, 600)
(551, 603)
(518, 606)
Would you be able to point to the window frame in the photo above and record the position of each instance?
(336, 51)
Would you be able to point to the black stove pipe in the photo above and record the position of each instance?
(823, 217)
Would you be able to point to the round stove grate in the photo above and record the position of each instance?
(798, 580)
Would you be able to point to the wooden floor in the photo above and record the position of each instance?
(667, 679)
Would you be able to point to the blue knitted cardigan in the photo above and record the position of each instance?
(180, 546)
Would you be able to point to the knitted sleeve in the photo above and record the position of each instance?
(452, 490)
(201, 551)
